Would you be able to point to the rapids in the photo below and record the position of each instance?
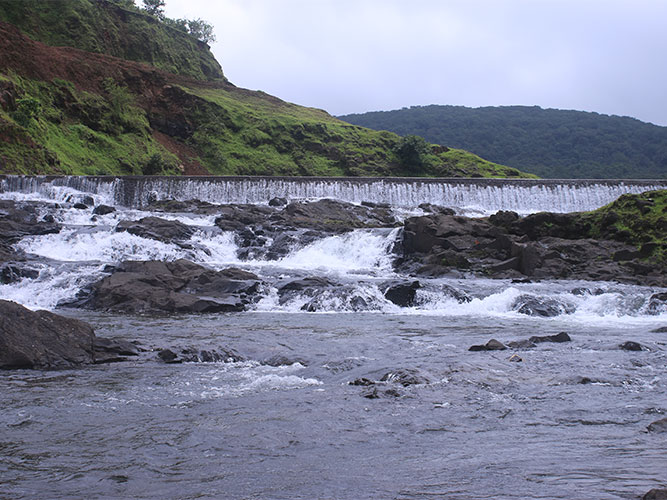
(569, 421)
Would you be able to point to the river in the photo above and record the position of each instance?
(567, 421)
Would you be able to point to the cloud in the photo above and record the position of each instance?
(358, 55)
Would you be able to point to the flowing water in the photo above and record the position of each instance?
(569, 421)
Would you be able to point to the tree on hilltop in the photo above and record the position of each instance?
(155, 8)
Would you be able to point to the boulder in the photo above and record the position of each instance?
(631, 346)
(541, 306)
(333, 216)
(277, 202)
(656, 494)
(402, 294)
(14, 272)
(103, 210)
(657, 303)
(155, 228)
(19, 220)
(658, 426)
(557, 338)
(170, 287)
(491, 345)
(44, 340)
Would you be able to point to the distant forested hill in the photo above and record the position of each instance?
(548, 142)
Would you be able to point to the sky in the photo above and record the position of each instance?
(353, 56)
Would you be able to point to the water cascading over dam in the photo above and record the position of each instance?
(468, 195)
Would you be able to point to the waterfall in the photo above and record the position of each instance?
(468, 195)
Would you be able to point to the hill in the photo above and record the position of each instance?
(98, 103)
(548, 142)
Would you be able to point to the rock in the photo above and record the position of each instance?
(44, 340)
(402, 294)
(656, 494)
(559, 337)
(371, 393)
(405, 377)
(155, 228)
(308, 287)
(540, 306)
(80, 206)
(333, 216)
(195, 355)
(88, 200)
(515, 358)
(113, 350)
(521, 344)
(362, 382)
(657, 303)
(17, 221)
(503, 218)
(662, 329)
(282, 360)
(436, 209)
(491, 345)
(631, 346)
(240, 217)
(170, 287)
(277, 202)
(658, 426)
(103, 210)
(13, 272)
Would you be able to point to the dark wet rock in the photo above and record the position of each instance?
(277, 202)
(662, 329)
(373, 204)
(371, 393)
(88, 201)
(362, 382)
(307, 287)
(19, 220)
(491, 345)
(14, 272)
(282, 360)
(437, 209)
(557, 338)
(44, 340)
(402, 294)
(80, 206)
(587, 380)
(521, 344)
(188, 206)
(541, 306)
(405, 377)
(155, 228)
(658, 426)
(195, 355)
(515, 358)
(656, 494)
(657, 303)
(631, 346)
(333, 216)
(503, 218)
(113, 350)
(393, 393)
(240, 217)
(171, 287)
(103, 210)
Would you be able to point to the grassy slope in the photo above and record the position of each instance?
(103, 27)
(153, 122)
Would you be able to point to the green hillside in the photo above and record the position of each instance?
(548, 142)
(83, 91)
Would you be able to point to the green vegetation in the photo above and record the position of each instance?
(547, 142)
(94, 114)
(640, 220)
(116, 28)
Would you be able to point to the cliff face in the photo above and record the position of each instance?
(104, 27)
(104, 110)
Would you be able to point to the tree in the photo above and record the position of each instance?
(201, 30)
(411, 151)
(154, 8)
(27, 110)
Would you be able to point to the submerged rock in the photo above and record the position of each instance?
(491, 345)
(402, 294)
(405, 377)
(631, 346)
(195, 355)
(103, 210)
(658, 426)
(656, 494)
(557, 338)
(541, 306)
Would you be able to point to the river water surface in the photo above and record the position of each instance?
(568, 421)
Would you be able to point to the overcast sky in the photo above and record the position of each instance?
(352, 56)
